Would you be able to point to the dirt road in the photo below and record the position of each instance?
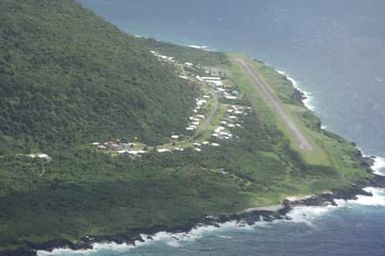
(208, 120)
(270, 98)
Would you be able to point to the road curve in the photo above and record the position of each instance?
(270, 98)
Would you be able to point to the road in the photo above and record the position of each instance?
(208, 120)
(270, 98)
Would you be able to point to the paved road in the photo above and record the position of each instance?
(268, 95)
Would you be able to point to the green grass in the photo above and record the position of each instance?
(184, 53)
(329, 150)
(85, 192)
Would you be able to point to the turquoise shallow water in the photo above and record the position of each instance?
(335, 50)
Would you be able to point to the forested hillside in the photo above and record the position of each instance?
(72, 84)
(67, 76)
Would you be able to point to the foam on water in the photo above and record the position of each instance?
(300, 214)
(307, 214)
(377, 200)
(97, 247)
(201, 47)
(378, 166)
(307, 101)
(224, 237)
(171, 239)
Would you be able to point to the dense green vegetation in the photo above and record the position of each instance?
(83, 192)
(97, 194)
(184, 53)
(331, 154)
(68, 78)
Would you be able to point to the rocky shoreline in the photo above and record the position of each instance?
(248, 217)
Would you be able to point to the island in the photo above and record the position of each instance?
(107, 136)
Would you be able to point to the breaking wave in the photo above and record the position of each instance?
(307, 101)
(171, 239)
(378, 166)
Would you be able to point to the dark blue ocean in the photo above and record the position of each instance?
(335, 50)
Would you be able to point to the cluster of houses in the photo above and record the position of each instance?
(198, 145)
(223, 131)
(163, 57)
(211, 80)
(200, 104)
(229, 122)
(42, 156)
(219, 87)
(120, 147)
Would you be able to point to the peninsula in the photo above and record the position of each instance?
(105, 135)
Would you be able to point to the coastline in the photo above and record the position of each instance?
(258, 192)
(248, 217)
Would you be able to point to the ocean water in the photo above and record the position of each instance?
(335, 52)
(345, 230)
